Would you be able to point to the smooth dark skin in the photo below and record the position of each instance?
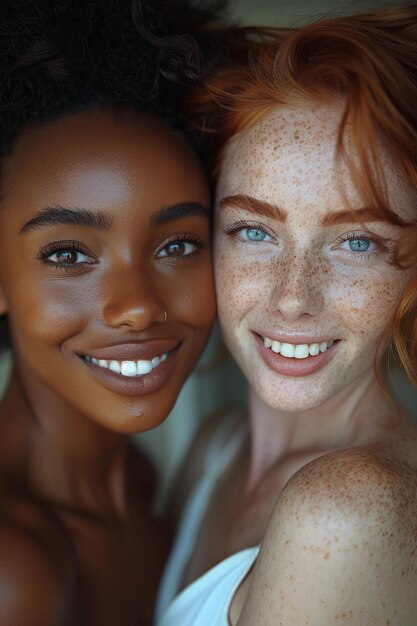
(78, 544)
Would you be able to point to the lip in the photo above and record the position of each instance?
(135, 385)
(295, 367)
(296, 339)
(132, 351)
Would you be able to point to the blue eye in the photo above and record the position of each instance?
(247, 232)
(255, 234)
(359, 245)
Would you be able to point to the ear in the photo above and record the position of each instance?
(3, 304)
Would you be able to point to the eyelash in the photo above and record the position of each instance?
(237, 227)
(383, 245)
(181, 238)
(59, 246)
(75, 246)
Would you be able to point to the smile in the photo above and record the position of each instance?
(296, 351)
(128, 367)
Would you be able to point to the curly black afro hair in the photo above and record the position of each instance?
(61, 56)
(58, 56)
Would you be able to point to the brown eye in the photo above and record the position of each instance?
(178, 249)
(70, 255)
(66, 256)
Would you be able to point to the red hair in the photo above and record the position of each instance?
(370, 63)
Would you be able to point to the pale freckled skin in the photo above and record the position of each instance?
(301, 282)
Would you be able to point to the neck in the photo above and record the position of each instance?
(69, 460)
(352, 417)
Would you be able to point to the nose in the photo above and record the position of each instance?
(130, 300)
(298, 292)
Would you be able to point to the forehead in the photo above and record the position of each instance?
(290, 157)
(285, 148)
(95, 158)
(302, 126)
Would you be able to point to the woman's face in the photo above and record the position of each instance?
(304, 292)
(104, 227)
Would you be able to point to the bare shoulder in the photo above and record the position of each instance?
(37, 568)
(359, 479)
(341, 544)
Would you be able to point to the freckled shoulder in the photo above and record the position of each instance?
(341, 545)
(37, 569)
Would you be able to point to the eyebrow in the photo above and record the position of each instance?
(267, 209)
(366, 214)
(56, 215)
(177, 212)
(253, 205)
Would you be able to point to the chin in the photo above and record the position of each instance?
(290, 403)
(129, 415)
(293, 395)
(129, 424)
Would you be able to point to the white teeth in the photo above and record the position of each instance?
(276, 347)
(114, 366)
(129, 368)
(314, 349)
(144, 367)
(297, 351)
(288, 349)
(301, 351)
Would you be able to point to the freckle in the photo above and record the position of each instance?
(327, 556)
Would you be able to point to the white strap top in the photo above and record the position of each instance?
(207, 600)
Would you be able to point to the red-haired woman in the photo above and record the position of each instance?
(314, 240)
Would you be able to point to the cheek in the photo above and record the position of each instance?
(50, 311)
(242, 281)
(366, 303)
(192, 298)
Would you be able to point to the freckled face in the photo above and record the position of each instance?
(104, 228)
(288, 269)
